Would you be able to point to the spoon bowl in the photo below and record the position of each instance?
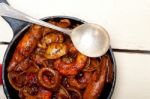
(90, 39)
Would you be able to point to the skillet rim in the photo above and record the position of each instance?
(21, 32)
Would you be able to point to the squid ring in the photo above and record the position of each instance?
(48, 78)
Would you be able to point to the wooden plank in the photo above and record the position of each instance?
(2, 52)
(127, 21)
(2, 95)
(132, 76)
(6, 33)
(129, 24)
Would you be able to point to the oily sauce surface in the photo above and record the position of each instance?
(46, 65)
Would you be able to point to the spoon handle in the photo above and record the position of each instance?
(8, 11)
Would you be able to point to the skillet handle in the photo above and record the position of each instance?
(15, 24)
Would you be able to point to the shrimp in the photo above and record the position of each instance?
(25, 46)
(96, 84)
(71, 68)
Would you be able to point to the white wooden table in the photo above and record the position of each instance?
(128, 24)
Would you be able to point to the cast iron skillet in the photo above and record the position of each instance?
(19, 29)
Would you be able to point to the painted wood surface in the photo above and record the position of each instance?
(127, 21)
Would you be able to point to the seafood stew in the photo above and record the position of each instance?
(46, 65)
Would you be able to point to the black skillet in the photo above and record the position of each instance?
(19, 29)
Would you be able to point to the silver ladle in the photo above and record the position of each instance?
(89, 39)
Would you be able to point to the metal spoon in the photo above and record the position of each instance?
(89, 39)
